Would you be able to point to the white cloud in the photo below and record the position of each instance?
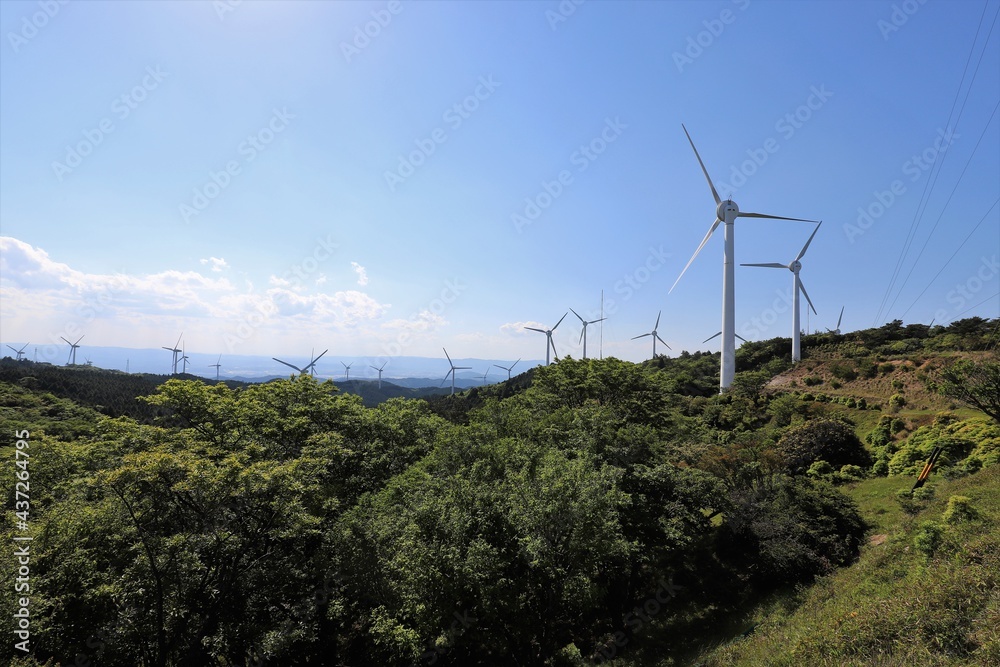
(218, 264)
(517, 328)
(423, 321)
(321, 280)
(362, 273)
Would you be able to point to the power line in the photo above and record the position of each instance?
(973, 307)
(935, 168)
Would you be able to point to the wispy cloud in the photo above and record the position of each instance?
(218, 264)
(362, 273)
(517, 328)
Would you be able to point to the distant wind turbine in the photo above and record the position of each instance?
(307, 369)
(837, 330)
(794, 266)
(452, 370)
(71, 360)
(548, 339)
(655, 336)
(506, 368)
(184, 361)
(347, 369)
(379, 369)
(217, 365)
(485, 374)
(20, 353)
(175, 350)
(725, 212)
(583, 334)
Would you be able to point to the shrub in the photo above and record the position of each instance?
(862, 404)
(885, 369)
(812, 381)
(820, 470)
(959, 509)
(897, 401)
(843, 371)
(851, 403)
(928, 538)
(849, 473)
(808, 397)
(834, 384)
(881, 468)
(924, 493)
(897, 384)
(822, 440)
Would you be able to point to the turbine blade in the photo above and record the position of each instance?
(642, 336)
(553, 344)
(69, 343)
(770, 265)
(319, 357)
(806, 246)
(577, 314)
(806, 294)
(711, 337)
(738, 336)
(596, 321)
(560, 321)
(534, 329)
(842, 315)
(79, 339)
(288, 364)
(703, 170)
(663, 341)
(449, 358)
(771, 217)
(711, 231)
(582, 333)
(657, 325)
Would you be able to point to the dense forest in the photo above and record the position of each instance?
(588, 512)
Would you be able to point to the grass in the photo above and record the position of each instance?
(895, 606)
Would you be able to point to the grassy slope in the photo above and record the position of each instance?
(895, 606)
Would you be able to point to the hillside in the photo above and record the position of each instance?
(587, 512)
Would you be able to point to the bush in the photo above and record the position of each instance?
(820, 470)
(897, 401)
(808, 397)
(885, 369)
(812, 381)
(849, 473)
(928, 538)
(834, 384)
(959, 509)
(843, 372)
(822, 440)
(897, 384)
(924, 493)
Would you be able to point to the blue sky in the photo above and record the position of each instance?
(386, 178)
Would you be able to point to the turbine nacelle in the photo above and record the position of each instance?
(727, 207)
(795, 266)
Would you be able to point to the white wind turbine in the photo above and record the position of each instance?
(452, 370)
(71, 360)
(217, 365)
(347, 369)
(379, 369)
(795, 266)
(583, 334)
(837, 330)
(719, 334)
(20, 353)
(725, 212)
(548, 339)
(309, 368)
(175, 350)
(508, 369)
(184, 361)
(654, 335)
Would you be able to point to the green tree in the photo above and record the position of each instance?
(977, 384)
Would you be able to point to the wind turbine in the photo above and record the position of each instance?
(175, 350)
(725, 212)
(837, 330)
(217, 365)
(794, 266)
(379, 369)
(20, 353)
(654, 335)
(308, 368)
(485, 374)
(347, 368)
(451, 372)
(719, 334)
(548, 337)
(583, 334)
(506, 368)
(71, 360)
(184, 361)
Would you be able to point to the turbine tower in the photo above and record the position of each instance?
(725, 212)
(451, 371)
(506, 368)
(175, 350)
(485, 374)
(583, 334)
(184, 361)
(347, 369)
(20, 353)
(379, 369)
(837, 330)
(548, 339)
(654, 335)
(217, 365)
(71, 360)
(308, 368)
(795, 266)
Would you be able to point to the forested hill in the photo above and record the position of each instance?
(585, 512)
